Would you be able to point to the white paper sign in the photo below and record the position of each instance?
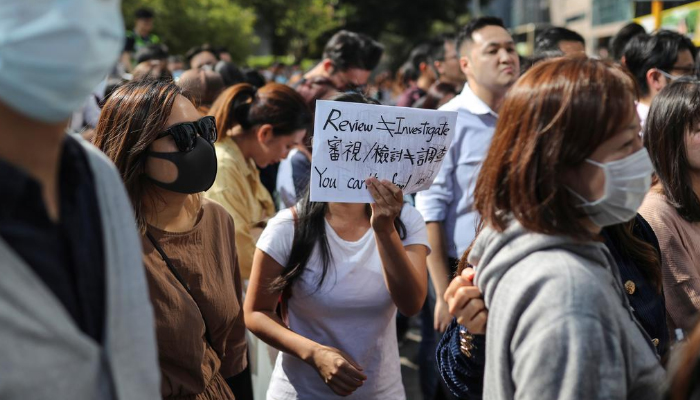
(353, 142)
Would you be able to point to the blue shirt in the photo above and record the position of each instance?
(450, 199)
(293, 178)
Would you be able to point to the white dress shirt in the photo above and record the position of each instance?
(450, 199)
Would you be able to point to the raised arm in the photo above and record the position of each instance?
(404, 268)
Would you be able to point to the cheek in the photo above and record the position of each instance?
(270, 153)
(281, 151)
(158, 168)
(692, 145)
(164, 145)
(597, 184)
(588, 181)
(161, 170)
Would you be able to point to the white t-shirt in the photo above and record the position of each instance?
(352, 311)
(285, 181)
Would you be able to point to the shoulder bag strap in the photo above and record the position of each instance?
(184, 284)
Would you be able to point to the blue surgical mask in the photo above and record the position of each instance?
(53, 53)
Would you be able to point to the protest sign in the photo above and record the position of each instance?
(354, 141)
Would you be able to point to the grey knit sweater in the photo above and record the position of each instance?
(560, 325)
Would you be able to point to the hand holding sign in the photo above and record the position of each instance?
(353, 142)
(388, 201)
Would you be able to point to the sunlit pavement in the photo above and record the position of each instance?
(409, 368)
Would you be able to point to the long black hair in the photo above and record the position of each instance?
(673, 116)
(310, 227)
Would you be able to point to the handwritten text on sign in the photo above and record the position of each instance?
(355, 141)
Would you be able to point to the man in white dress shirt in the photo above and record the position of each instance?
(490, 63)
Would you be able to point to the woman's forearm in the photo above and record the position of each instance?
(270, 329)
(407, 282)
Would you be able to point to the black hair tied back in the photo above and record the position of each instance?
(241, 107)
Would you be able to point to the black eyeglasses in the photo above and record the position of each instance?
(351, 87)
(185, 134)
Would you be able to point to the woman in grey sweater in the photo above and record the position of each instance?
(566, 160)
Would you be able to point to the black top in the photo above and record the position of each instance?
(648, 304)
(268, 177)
(464, 376)
(68, 256)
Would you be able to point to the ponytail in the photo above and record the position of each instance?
(232, 108)
(274, 104)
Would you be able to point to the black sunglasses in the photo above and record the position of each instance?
(185, 134)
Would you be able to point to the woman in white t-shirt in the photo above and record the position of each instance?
(348, 268)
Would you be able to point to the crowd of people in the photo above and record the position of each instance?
(157, 237)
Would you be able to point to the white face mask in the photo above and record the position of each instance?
(54, 52)
(627, 181)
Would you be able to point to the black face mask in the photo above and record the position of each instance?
(196, 169)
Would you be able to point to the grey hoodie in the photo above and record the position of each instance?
(560, 325)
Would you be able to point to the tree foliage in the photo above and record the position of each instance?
(401, 25)
(302, 27)
(296, 25)
(412, 20)
(182, 24)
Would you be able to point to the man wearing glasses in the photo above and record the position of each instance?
(656, 60)
(446, 61)
(348, 61)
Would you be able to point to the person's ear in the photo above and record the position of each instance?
(328, 66)
(432, 71)
(439, 67)
(655, 80)
(464, 65)
(265, 133)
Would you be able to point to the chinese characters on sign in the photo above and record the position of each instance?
(355, 141)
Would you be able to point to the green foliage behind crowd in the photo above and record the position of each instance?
(297, 28)
(182, 24)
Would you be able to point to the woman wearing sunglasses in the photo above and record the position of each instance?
(164, 151)
(257, 127)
